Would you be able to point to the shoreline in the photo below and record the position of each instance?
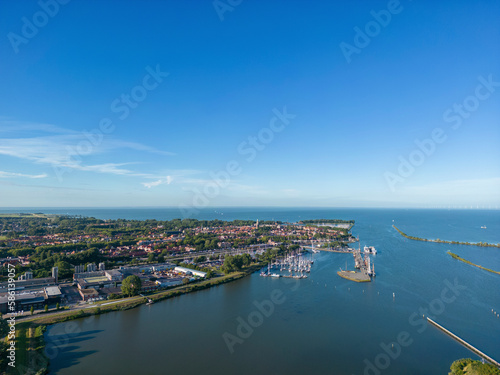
(33, 347)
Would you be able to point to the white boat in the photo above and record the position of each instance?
(483, 227)
(370, 250)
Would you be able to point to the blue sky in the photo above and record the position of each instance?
(135, 103)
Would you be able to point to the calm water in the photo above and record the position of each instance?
(319, 325)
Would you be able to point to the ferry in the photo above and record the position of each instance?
(370, 250)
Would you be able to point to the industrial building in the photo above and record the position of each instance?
(31, 283)
(189, 271)
(88, 294)
(25, 299)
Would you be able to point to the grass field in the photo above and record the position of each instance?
(25, 215)
(21, 344)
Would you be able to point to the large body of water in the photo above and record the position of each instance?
(320, 325)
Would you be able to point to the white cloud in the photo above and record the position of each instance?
(161, 181)
(65, 148)
(12, 174)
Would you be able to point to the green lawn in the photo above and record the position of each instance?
(29, 352)
(22, 343)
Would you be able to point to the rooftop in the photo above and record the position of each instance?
(52, 291)
(96, 279)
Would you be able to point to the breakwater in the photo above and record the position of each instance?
(484, 244)
(464, 343)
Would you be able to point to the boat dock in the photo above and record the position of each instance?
(331, 250)
(263, 274)
(465, 343)
(295, 266)
(365, 266)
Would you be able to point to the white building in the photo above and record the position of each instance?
(113, 275)
(189, 271)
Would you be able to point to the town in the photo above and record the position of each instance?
(64, 262)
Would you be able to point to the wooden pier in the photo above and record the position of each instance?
(465, 343)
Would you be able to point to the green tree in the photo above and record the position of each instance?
(4, 327)
(32, 310)
(46, 308)
(200, 259)
(210, 274)
(151, 257)
(64, 268)
(131, 285)
(113, 296)
(58, 306)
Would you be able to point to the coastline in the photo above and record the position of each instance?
(33, 359)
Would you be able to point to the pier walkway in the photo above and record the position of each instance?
(465, 343)
(334, 250)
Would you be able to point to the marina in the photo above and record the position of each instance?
(295, 266)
